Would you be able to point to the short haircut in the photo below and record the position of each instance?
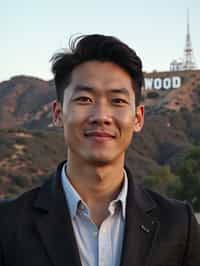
(101, 48)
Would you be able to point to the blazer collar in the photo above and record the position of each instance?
(54, 225)
(52, 189)
(141, 228)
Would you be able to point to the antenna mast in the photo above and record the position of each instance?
(189, 62)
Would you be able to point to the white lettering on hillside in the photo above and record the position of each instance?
(176, 82)
(162, 83)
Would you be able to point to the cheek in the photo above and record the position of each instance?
(126, 120)
(72, 122)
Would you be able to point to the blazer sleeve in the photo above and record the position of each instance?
(1, 257)
(3, 229)
(192, 255)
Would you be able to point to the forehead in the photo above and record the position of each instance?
(101, 74)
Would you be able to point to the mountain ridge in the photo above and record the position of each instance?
(26, 101)
(27, 134)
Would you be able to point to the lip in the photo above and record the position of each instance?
(101, 135)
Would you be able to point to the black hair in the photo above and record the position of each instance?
(98, 47)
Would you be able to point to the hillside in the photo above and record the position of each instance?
(26, 101)
(165, 140)
(172, 127)
(185, 96)
(23, 159)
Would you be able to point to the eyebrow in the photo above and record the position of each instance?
(120, 91)
(80, 88)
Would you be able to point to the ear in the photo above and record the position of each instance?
(57, 114)
(139, 118)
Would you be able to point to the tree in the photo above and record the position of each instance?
(163, 181)
(152, 95)
(189, 173)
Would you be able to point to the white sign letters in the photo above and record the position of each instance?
(162, 83)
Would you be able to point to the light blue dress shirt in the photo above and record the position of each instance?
(97, 246)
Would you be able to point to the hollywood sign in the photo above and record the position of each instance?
(162, 83)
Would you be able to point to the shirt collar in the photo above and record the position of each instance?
(121, 198)
(71, 195)
(74, 200)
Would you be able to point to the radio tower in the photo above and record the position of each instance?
(188, 62)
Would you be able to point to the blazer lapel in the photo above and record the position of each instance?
(141, 229)
(53, 224)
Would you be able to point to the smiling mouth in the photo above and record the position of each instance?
(99, 135)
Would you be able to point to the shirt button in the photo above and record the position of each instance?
(104, 231)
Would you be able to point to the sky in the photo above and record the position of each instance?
(32, 31)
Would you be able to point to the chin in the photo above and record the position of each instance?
(101, 160)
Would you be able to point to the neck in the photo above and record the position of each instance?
(97, 185)
(96, 182)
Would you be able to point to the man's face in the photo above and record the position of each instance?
(98, 113)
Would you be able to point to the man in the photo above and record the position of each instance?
(91, 212)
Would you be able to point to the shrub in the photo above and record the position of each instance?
(152, 95)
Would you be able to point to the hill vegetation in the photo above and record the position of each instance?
(164, 156)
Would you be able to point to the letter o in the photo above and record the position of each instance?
(167, 83)
(157, 84)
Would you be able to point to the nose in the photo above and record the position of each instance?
(100, 114)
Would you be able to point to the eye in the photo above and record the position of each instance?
(83, 100)
(119, 101)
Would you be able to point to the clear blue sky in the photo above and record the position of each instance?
(31, 31)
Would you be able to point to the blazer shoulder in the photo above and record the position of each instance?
(27, 198)
(17, 215)
(179, 215)
(11, 207)
(14, 212)
(170, 208)
(21, 206)
(178, 220)
(162, 200)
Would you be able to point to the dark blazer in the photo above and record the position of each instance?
(36, 230)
